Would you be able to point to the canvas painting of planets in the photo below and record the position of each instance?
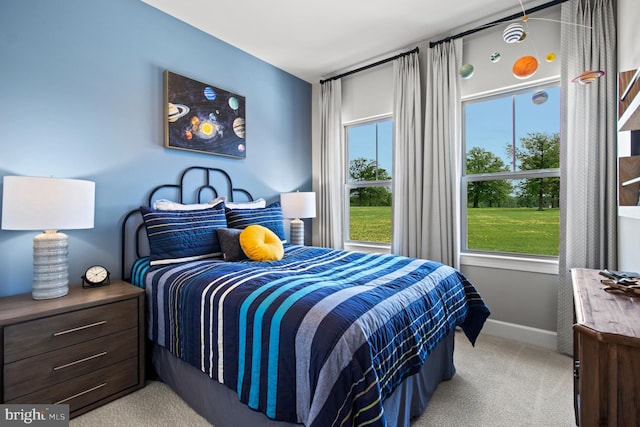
(201, 117)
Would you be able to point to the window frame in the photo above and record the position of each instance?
(349, 185)
(503, 259)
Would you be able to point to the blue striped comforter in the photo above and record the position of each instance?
(321, 337)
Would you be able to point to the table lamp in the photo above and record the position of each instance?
(49, 204)
(298, 205)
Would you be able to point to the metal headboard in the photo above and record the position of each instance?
(133, 233)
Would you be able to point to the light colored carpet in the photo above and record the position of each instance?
(497, 383)
(503, 383)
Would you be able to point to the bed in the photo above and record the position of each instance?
(319, 337)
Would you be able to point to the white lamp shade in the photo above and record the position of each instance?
(298, 204)
(36, 203)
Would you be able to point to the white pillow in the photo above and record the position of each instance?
(168, 205)
(256, 204)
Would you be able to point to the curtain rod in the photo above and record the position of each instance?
(496, 22)
(366, 67)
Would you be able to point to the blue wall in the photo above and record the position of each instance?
(81, 96)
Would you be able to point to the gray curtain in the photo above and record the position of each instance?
(332, 166)
(588, 184)
(441, 195)
(408, 157)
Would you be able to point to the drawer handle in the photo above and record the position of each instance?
(79, 328)
(66, 365)
(81, 393)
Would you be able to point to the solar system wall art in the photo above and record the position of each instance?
(201, 117)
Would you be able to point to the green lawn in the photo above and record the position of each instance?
(370, 223)
(520, 230)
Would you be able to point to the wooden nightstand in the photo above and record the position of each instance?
(84, 349)
(606, 340)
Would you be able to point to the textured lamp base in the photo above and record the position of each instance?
(296, 232)
(50, 265)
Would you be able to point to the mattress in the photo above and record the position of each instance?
(322, 337)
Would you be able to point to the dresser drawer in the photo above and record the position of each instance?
(28, 339)
(31, 374)
(87, 389)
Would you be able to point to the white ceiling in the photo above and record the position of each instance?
(313, 39)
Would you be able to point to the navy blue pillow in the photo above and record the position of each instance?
(269, 217)
(178, 236)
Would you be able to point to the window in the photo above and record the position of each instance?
(511, 176)
(368, 189)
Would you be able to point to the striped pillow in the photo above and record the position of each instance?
(178, 236)
(269, 217)
(138, 271)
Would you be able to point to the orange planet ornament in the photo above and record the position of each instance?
(525, 67)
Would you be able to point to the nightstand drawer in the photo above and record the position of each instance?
(89, 388)
(29, 375)
(31, 338)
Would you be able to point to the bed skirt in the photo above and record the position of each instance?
(221, 407)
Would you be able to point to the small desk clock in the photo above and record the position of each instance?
(95, 276)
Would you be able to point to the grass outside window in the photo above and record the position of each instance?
(513, 230)
(370, 224)
(518, 230)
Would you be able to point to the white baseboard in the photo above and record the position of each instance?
(525, 334)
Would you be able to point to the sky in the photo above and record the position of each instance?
(489, 123)
(360, 137)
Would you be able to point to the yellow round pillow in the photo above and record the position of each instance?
(261, 244)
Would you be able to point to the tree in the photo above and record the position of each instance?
(486, 193)
(539, 151)
(362, 169)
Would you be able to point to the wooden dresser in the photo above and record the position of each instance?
(84, 349)
(606, 353)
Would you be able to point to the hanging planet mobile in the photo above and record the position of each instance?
(588, 77)
(540, 97)
(466, 71)
(513, 33)
(525, 67)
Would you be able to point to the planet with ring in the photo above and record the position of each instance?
(588, 77)
(175, 111)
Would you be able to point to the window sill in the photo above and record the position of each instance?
(629, 211)
(533, 265)
(371, 248)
